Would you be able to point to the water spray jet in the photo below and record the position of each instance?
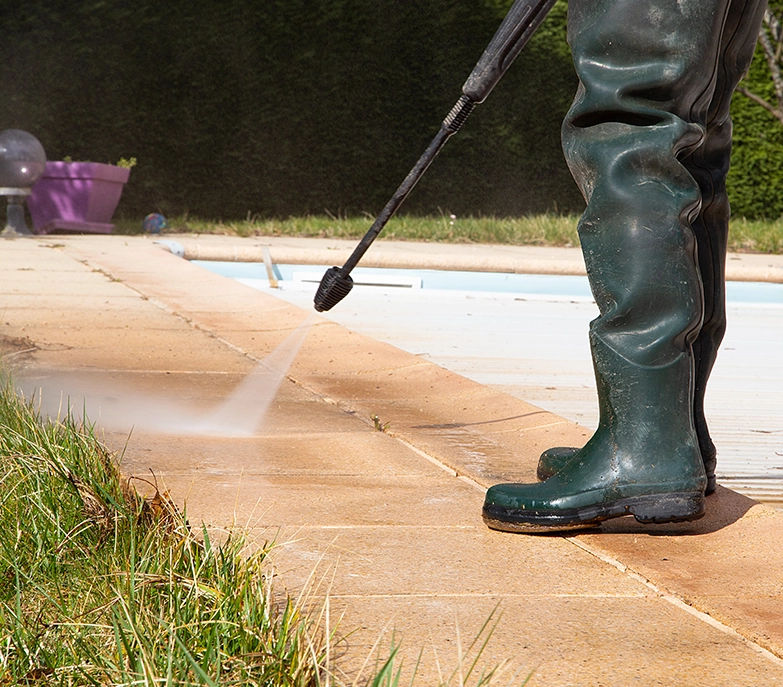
(103, 400)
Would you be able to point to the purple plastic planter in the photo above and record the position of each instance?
(76, 197)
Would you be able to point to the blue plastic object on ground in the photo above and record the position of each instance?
(154, 223)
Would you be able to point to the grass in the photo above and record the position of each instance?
(763, 236)
(542, 230)
(99, 586)
(388, 669)
(758, 236)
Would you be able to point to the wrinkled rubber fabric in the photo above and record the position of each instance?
(647, 140)
(709, 165)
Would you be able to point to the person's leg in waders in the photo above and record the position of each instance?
(647, 140)
(709, 165)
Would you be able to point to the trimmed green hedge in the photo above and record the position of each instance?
(289, 107)
(755, 181)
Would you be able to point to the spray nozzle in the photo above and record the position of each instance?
(335, 285)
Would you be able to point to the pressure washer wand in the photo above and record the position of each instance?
(520, 23)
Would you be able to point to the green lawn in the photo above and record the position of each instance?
(765, 236)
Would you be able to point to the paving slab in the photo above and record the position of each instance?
(588, 641)
(387, 522)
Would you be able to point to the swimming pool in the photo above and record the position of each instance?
(527, 336)
(295, 276)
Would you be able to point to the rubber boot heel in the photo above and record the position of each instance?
(661, 508)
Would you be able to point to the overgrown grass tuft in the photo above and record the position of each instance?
(99, 586)
(763, 236)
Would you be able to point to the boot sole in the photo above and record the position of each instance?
(648, 509)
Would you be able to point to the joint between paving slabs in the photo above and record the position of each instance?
(674, 600)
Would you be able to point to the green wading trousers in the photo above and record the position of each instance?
(648, 141)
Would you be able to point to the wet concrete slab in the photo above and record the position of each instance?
(325, 449)
(698, 559)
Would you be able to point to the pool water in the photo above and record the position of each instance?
(292, 276)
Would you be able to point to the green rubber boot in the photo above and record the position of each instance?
(629, 466)
(554, 459)
(709, 165)
(649, 72)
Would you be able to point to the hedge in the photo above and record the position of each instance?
(287, 107)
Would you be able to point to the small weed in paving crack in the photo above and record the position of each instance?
(380, 426)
